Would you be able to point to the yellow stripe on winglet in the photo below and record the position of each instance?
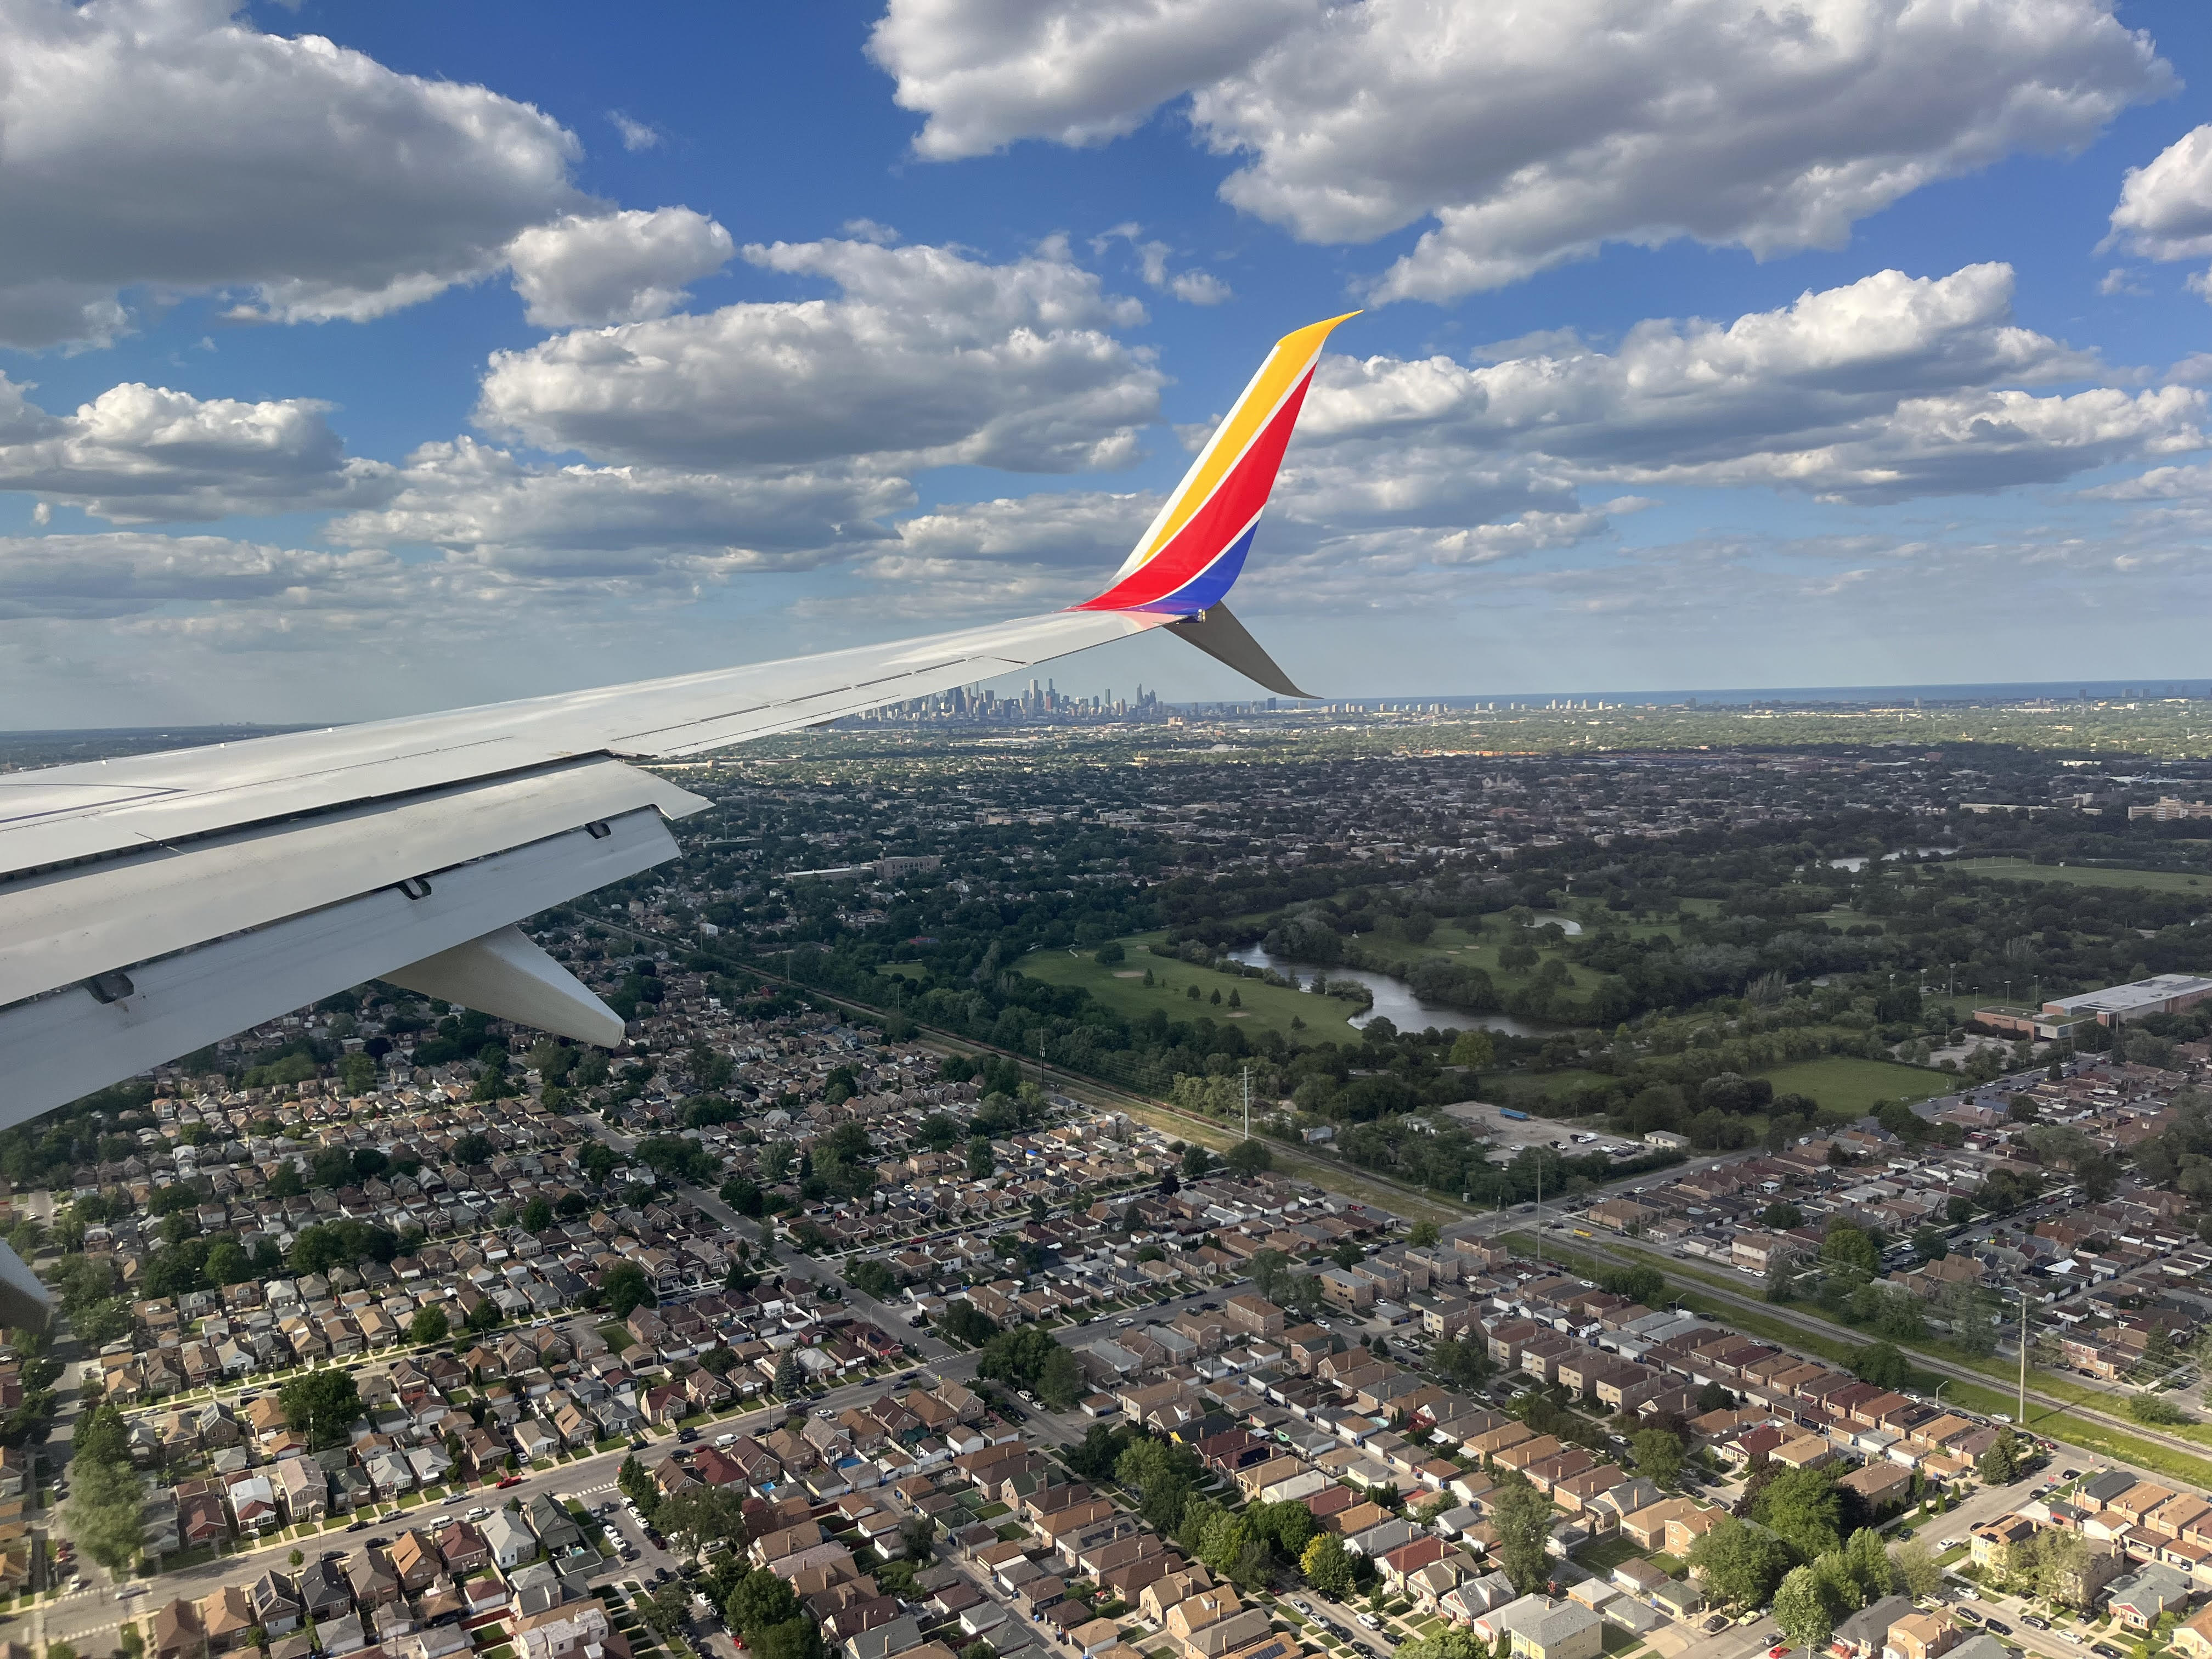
(1289, 359)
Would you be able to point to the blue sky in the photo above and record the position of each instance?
(367, 359)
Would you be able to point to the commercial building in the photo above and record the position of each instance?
(2116, 1005)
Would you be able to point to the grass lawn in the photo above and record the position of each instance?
(2156, 881)
(1605, 1553)
(1853, 1085)
(1265, 1008)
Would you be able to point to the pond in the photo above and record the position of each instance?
(1858, 861)
(1395, 1000)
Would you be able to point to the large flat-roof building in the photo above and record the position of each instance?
(2116, 1005)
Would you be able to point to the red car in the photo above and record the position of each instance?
(511, 1481)
(1777, 1651)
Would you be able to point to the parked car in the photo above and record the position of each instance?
(510, 1480)
(1967, 1615)
(2106, 1650)
(2034, 1623)
(1998, 1626)
(1369, 1621)
(1302, 1604)
(1715, 1624)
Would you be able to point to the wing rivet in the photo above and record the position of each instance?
(110, 987)
(416, 887)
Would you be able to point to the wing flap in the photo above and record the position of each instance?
(85, 919)
(67, 1044)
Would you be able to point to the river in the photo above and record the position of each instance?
(1395, 1000)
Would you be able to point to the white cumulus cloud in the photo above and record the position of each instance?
(481, 502)
(1526, 136)
(926, 356)
(2165, 210)
(171, 143)
(141, 454)
(987, 72)
(1884, 388)
(121, 573)
(587, 270)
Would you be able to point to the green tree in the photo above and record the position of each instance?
(1250, 1157)
(872, 1276)
(1475, 1049)
(624, 1288)
(1740, 1565)
(1804, 1509)
(2156, 1408)
(1060, 1380)
(1999, 1464)
(428, 1325)
(1326, 1566)
(639, 1486)
(963, 1322)
(1782, 1268)
(1881, 1364)
(1803, 1611)
(321, 1405)
(1851, 1250)
(980, 1162)
(103, 1514)
(1523, 1518)
(1658, 1454)
(1449, 1642)
(1423, 1236)
(227, 1263)
(1197, 1162)
(2061, 1569)
(537, 1215)
(1870, 1566)
(699, 1513)
(1917, 1570)
(1270, 1271)
(101, 1437)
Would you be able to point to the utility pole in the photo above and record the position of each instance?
(2021, 1419)
(1248, 1102)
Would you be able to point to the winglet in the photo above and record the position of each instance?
(1221, 636)
(1188, 559)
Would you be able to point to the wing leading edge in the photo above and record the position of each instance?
(153, 904)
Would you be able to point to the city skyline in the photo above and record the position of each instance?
(386, 361)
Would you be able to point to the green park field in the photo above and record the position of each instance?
(2084, 875)
(1853, 1085)
(1121, 987)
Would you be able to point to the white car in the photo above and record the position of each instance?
(1369, 1621)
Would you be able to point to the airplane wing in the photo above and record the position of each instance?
(153, 904)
